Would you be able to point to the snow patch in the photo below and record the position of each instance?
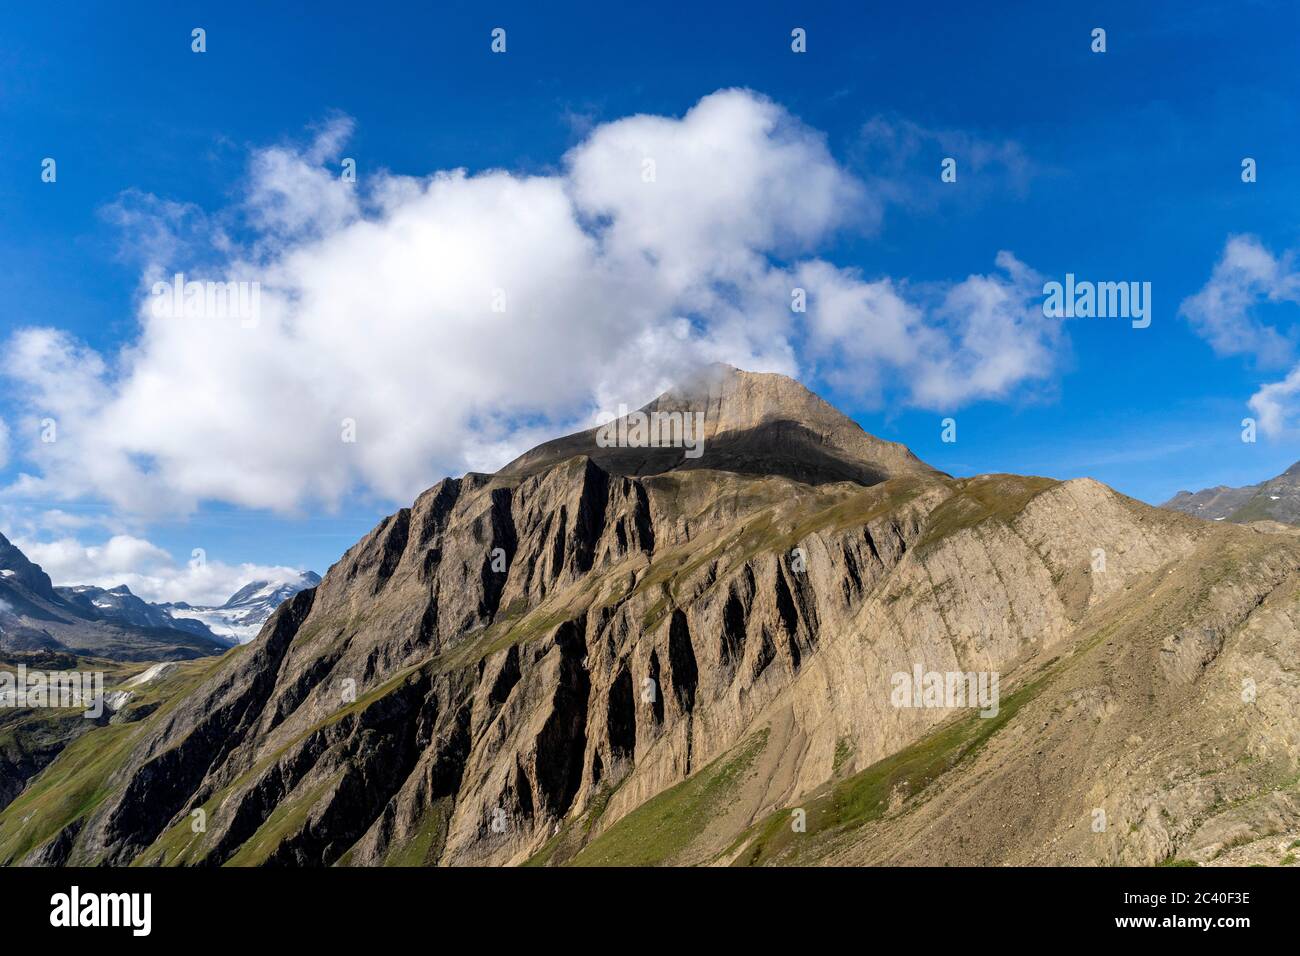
(157, 672)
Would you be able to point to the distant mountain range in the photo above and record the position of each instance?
(36, 615)
(243, 615)
(120, 606)
(1277, 499)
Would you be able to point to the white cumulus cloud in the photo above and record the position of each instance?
(452, 320)
(148, 570)
(980, 338)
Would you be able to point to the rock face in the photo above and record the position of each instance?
(628, 655)
(1277, 499)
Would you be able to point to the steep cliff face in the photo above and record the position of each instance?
(627, 655)
(1164, 727)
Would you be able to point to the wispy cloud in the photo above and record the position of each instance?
(901, 161)
(1225, 310)
(1226, 313)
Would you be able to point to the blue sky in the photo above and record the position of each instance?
(1116, 166)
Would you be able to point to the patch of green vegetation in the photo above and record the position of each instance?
(355, 707)
(308, 634)
(179, 845)
(28, 730)
(775, 529)
(1235, 842)
(655, 613)
(519, 625)
(843, 754)
(73, 785)
(546, 854)
(662, 827)
(861, 508)
(619, 590)
(867, 795)
(76, 781)
(1287, 860)
(574, 834)
(515, 609)
(679, 563)
(597, 809)
(989, 497)
(286, 820)
(1176, 861)
(1257, 509)
(532, 625)
(424, 845)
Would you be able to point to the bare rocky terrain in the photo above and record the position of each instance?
(624, 656)
(1277, 499)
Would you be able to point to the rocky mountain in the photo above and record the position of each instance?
(243, 615)
(1277, 499)
(36, 616)
(118, 605)
(628, 655)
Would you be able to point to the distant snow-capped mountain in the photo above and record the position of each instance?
(37, 616)
(241, 618)
(119, 606)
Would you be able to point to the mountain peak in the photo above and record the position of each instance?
(723, 418)
(272, 592)
(1274, 499)
(29, 574)
(241, 617)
